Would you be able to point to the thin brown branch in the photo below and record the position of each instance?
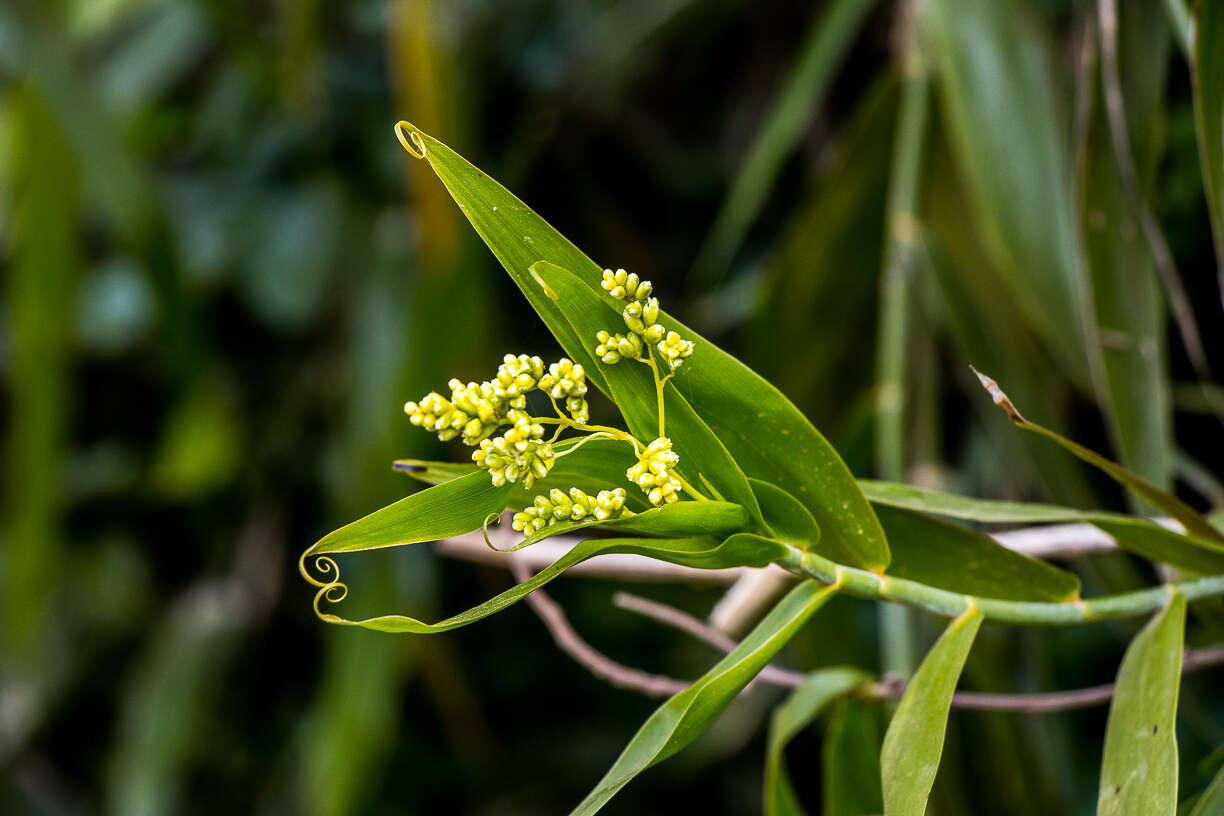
(1028, 703)
(594, 661)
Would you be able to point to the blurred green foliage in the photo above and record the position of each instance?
(223, 277)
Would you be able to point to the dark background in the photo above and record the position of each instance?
(224, 277)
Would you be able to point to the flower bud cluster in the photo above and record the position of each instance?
(567, 380)
(655, 472)
(675, 349)
(641, 316)
(473, 411)
(575, 506)
(519, 453)
(613, 347)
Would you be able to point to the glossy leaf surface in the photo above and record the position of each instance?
(767, 435)
(951, 557)
(914, 741)
(1139, 768)
(804, 704)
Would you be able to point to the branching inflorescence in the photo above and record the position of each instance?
(510, 442)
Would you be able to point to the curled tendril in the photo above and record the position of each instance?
(484, 531)
(412, 142)
(334, 590)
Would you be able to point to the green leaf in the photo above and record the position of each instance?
(994, 69)
(769, 438)
(851, 761)
(802, 706)
(701, 552)
(786, 515)
(829, 37)
(1140, 536)
(947, 556)
(683, 717)
(448, 509)
(632, 388)
(1128, 303)
(1208, 65)
(915, 737)
(1194, 522)
(599, 464)
(1211, 801)
(686, 518)
(1139, 768)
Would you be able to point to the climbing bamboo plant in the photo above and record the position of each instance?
(715, 468)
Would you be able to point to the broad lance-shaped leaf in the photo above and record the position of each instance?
(632, 388)
(1194, 522)
(769, 438)
(448, 509)
(1139, 768)
(915, 737)
(1209, 114)
(1140, 536)
(469, 502)
(850, 760)
(941, 554)
(786, 515)
(802, 707)
(683, 717)
(701, 552)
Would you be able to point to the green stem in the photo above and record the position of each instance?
(614, 433)
(866, 584)
(897, 654)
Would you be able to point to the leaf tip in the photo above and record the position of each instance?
(408, 466)
(1000, 399)
(548, 290)
(410, 137)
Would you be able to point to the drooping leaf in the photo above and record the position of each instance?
(1194, 522)
(1208, 72)
(1140, 536)
(683, 717)
(798, 711)
(769, 438)
(850, 759)
(994, 68)
(702, 552)
(1139, 768)
(448, 509)
(786, 515)
(632, 388)
(951, 557)
(915, 737)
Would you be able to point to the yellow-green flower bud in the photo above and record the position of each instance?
(675, 349)
(517, 454)
(613, 347)
(625, 285)
(576, 505)
(655, 473)
(516, 376)
(436, 413)
(567, 380)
